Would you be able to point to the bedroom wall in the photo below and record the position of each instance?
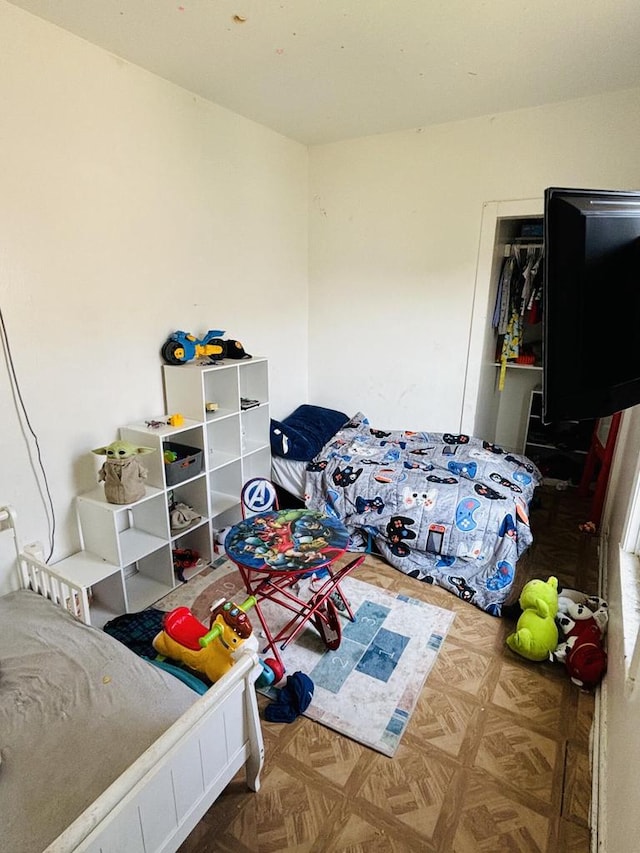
(128, 208)
(394, 233)
(619, 757)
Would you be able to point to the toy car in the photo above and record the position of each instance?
(182, 347)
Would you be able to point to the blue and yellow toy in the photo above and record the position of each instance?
(181, 347)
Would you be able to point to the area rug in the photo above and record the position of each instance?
(368, 688)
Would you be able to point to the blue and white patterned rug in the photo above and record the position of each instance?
(368, 688)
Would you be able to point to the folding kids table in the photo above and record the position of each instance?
(274, 551)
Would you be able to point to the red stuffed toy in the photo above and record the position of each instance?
(582, 650)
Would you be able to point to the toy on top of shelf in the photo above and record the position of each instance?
(236, 350)
(122, 473)
(181, 347)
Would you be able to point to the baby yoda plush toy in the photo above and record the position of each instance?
(536, 634)
(123, 475)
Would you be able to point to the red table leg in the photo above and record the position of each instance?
(320, 609)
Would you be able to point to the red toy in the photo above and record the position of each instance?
(586, 660)
(582, 623)
(211, 652)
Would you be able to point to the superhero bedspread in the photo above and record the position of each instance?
(447, 509)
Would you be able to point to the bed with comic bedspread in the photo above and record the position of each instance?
(446, 509)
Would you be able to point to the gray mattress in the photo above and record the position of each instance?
(76, 709)
(290, 474)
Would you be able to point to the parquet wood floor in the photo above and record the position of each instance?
(495, 758)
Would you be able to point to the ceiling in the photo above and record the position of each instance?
(325, 70)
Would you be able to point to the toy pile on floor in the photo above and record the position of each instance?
(566, 626)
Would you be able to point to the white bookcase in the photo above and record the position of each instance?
(126, 561)
(237, 436)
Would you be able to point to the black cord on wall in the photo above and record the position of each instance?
(15, 387)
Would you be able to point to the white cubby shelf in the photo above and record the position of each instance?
(126, 561)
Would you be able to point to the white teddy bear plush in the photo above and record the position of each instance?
(574, 606)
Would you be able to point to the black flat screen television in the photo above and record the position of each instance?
(591, 293)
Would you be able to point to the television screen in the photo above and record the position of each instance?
(591, 297)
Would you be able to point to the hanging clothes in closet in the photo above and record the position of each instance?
(518, 302)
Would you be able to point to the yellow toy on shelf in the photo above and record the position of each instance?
(209, 651)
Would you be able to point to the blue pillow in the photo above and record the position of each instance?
(303, 434)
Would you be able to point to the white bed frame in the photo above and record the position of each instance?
(159, 799)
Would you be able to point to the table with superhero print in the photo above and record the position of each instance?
(277, 549)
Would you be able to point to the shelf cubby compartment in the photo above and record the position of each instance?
(254, 381)
(227, 518)
(220, 386)
(123, 533)
(198, 539)
(225, 488)
(184, 390)
(195, 495)
(257, 464)
(255, 428)
(190, 434)
(223, 441)
(148, 579)
(102, 580)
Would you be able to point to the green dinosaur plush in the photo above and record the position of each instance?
(536, 633)
(123, 475)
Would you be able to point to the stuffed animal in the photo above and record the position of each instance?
(582, 622)
(123, 475)
(578, 605)
(536, 634)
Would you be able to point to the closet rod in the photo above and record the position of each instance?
(507, 247)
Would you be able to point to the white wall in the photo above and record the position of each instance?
(394, 235)
(129, 208)
(621, 696)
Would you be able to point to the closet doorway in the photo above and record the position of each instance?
(489, 411)
(503, 389)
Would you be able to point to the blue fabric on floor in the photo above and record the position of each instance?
(293, 699)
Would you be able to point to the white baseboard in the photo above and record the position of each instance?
(597, 811)
(597, 816)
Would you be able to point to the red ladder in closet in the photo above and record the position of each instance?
(599, 458)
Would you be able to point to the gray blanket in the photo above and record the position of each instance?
(447, 509)
(76, 709)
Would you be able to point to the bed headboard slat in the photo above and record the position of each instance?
(35, 574)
